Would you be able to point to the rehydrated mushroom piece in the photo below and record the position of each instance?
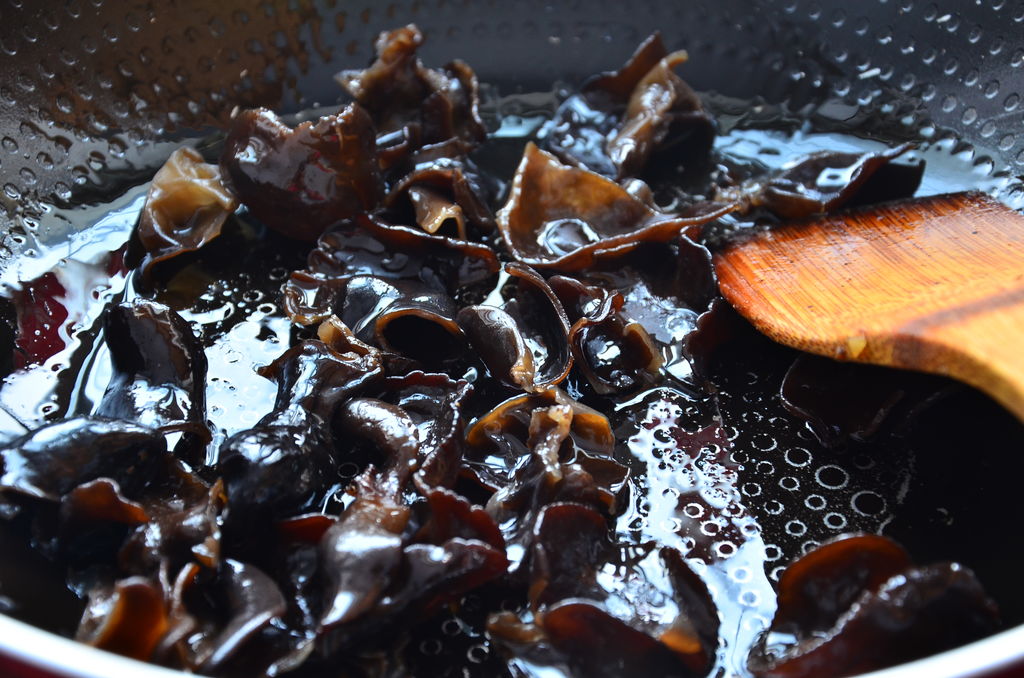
(665, 287)
(664, 116)
(433, 210)
(51, 461)
(100, 500)
(363, 549)
(525, 343)
(218, 618)
(417, 105)
(186, 207)
(313, 378)
(639, 116)
(538, 449)
(657, 280)
(414, 423)
(404, 317)
(565, 217)
(379, 574)
(129, 618)
(451, 515)
(430, 576)
(555, 471)
(299, 181)
(541, 479)
(569, 547)
(614, 354)
(842, 401)
(252, 600)
(285, 464)
(311, 299)
(542, 322)
(825, 181)
(586, 634)
(341, 339)
(128, 511)
(387, 428)
(713, 329)
(505, 428)
(663, 622)
(182, 526)
(619, 85)
(815, 590)
(434, 404)
(120, 496)
(370, 245)
(159, 374)
(376, 574)
(496, 338)
(275, 470)
(436, 575)
(444, 189)
(125, 505)
(292, 559)
(856, 604)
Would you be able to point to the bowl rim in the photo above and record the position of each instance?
(68, 658)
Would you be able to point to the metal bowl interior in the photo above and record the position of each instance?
(96, 93)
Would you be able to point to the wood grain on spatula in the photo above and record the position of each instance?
(933, 284)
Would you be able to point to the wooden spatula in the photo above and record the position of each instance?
(935, 284)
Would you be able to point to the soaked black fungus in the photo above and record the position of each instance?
(494, 425)
(525, 342)
(285, 465)
(567, 218)
(51, 462)
(826, 181)
(843, 401)
(299, 181)
(186, 207)
(858, 604)
(418, 105)
(629, 122)
(614, 354)
(159, 374)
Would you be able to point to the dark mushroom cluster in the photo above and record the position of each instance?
(461, 348)
(858, 603)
